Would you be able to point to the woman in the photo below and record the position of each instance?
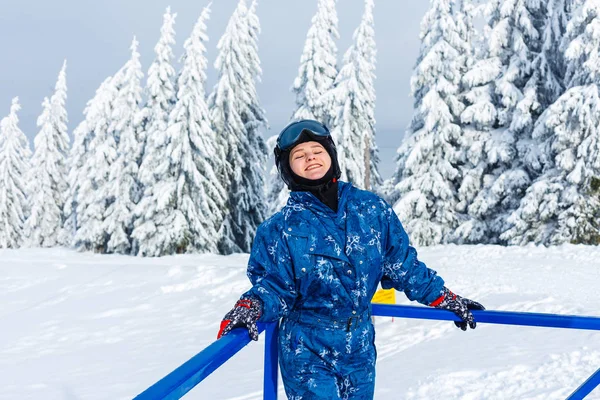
(316, 265)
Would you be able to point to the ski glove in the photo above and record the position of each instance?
(244, 314)
(459, 306)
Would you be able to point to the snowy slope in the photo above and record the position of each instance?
(86, 326)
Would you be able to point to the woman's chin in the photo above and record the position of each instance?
(314, 175)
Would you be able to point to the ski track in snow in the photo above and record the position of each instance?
(87, 326)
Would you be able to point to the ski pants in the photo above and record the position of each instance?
(326, 361)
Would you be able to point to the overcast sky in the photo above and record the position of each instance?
(94, 37)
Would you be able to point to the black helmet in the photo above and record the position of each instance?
(297, 132)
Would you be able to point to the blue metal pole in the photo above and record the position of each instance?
(270, 378)
(183, 379)
(491, 317)
(586, 388)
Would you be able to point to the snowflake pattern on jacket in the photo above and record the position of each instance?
(318, 270)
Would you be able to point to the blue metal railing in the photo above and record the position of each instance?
(586, 388)
(183, 379)
(491, 317)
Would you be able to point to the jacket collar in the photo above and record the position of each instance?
(311, 202)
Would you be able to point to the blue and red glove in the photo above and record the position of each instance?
(459, 306)
(244, 314)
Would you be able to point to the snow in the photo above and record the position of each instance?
(89, 326)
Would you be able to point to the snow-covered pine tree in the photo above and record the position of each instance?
(549, 65)
(428, 160)
(47, 183)
(316, 76)
(154, 122)
(60, 119)
(563, 204)
(579, 44)
(14, 167)
(276, 192)
(237, 116)
(550, 61)
(515, 38)
(96, 118)
(90, 192)
(183, 201)
(318, 65)
(478, 119)
(160, 92)
(352, 104)
(44, 214)
(500, 115)
(366, 43)
(123, 186)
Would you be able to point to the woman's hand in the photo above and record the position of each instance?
(459, 306)
(244, 314)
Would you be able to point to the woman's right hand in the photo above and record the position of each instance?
(244, 314)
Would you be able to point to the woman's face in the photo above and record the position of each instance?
(310, 160)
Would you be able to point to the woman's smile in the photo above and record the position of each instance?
(310, 160)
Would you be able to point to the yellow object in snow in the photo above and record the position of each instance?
(385, 296)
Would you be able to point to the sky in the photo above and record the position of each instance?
(94, 37)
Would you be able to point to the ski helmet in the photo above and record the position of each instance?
(297, 132)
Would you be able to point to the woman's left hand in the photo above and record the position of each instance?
(459, 306)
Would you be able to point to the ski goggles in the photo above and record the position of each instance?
(290, 134)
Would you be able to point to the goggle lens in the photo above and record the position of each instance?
(290, 135)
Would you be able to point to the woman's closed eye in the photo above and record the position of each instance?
(302, 155)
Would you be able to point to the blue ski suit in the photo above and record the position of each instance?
(317, 271)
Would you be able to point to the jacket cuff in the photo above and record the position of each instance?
(438, 301)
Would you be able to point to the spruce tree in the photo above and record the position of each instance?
(160, 92)
(60, 120)
(318, 65)
(549, 68)
(563, 204)
(352, 103)
(183, 199)
(92, 192)
(503, 105)
(365, 39)
(80, 176)
(237, 117)
(428, 164)
(276, 193)
(123, 187)
(14, 166)
(550, 62)
(478, 119)
(47, 182)
(316, 77)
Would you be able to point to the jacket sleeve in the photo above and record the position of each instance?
(402, 269)
(269, 270)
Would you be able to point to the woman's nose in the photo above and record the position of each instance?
(310, 156)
